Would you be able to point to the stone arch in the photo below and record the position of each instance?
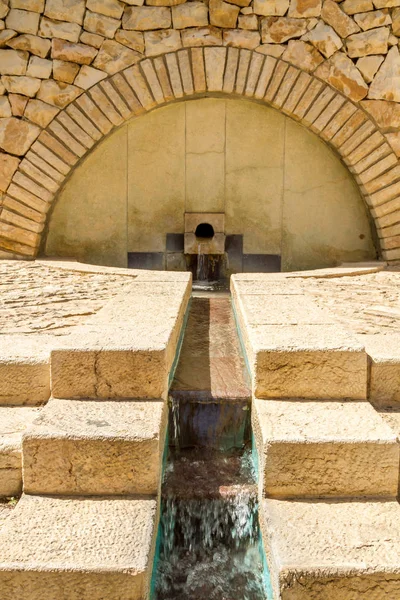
(196, 72)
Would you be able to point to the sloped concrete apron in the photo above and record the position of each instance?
(86, 525)
(328, 461)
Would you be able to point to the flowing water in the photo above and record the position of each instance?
(207, 270)
(202, 265)
(209, 538)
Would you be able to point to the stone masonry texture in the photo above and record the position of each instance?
(72, 70)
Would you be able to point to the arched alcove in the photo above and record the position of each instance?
(187, 74)
(279, 186)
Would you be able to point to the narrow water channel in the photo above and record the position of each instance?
(209, 534)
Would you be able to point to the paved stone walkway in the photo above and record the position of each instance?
(365, 304)
(35, 298)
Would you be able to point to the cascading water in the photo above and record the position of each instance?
(207, 270)
(202, 265)
(209, 534)
(210, 538)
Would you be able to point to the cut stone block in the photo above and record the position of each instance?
(294, 350)
(127, 350)
(323, 448)
(78, 548)
(24, 369)
(384, 364)
(110, 362)
(95, 447)
(325, 550)
(13, 421)
(309, 362)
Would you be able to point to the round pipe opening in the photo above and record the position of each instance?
(204, 231)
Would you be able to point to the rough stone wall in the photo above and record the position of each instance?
(71, 70)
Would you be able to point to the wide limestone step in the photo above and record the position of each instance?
(309, 448)
(126, 350)
(293, 348)
(78, 548)
(95, 447)
(332, 549)
(13, 421)
(25, 369)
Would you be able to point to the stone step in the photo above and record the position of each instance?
(78, 548)
(324, 448)
(127, 350)
(25, 369)
(13, 421)
(332, 549)
(96, 447)
(384, 354)
(293, 348)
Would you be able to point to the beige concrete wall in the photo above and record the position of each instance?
(255, 142)
(89, 220)
(278, 184)
(205, 155)
(323, 215)
(156, 178)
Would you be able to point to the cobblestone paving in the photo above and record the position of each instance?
(38, 299)
(366, 304)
